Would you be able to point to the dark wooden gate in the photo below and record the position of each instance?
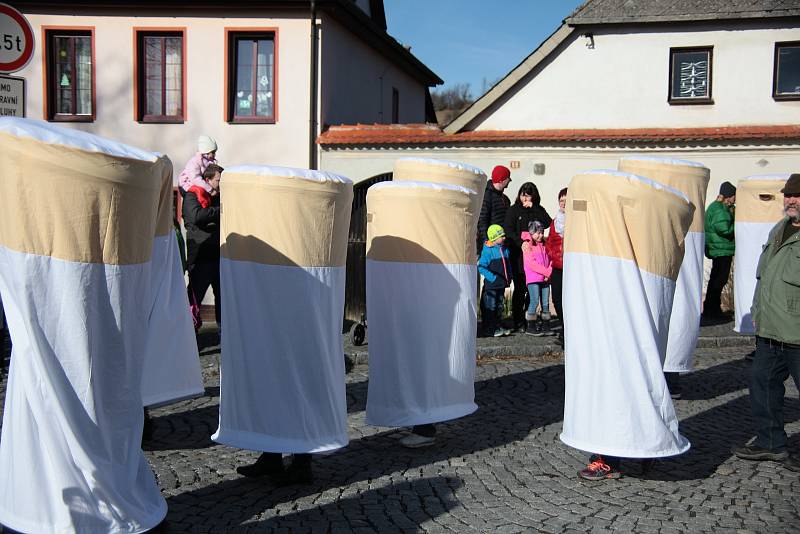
(355, 297)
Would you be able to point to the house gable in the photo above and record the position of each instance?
(632, 29)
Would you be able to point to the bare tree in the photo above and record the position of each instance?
(457, 96)
(449, 102)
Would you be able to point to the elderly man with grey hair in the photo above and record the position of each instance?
(776, 315)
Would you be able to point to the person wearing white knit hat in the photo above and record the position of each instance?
(192, 173)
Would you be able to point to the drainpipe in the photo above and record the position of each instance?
(312, 133)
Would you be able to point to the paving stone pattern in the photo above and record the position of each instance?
(500, 470)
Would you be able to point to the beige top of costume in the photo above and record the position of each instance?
(76, 204)
(629, 217)
(442, 172)
(283, 216)
(688, 177)
(420, 222)
(759, 199)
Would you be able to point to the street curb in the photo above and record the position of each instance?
(361, 355)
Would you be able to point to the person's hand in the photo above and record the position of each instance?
(526, 246)
(214, 192)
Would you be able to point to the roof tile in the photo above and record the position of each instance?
(430, 134)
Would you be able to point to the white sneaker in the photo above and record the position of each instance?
(415, 441)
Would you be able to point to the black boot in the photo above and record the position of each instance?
(538, 328)
(148, 427)
(298, 472)
(531, 328)
(268, 464)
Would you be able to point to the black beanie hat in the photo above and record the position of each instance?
(727, 189)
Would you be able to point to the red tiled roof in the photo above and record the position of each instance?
(429, 134)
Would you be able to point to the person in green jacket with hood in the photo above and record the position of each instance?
(776, 315)
(719, 247)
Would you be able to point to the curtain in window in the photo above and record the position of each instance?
(174, 82)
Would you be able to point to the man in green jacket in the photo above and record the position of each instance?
(776, 315)
(719, 247)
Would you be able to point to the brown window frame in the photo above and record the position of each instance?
(691, 101)
(49, 33)
(140, 82)
(775, 94)
(232, 36)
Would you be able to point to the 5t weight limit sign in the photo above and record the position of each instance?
(16, 39)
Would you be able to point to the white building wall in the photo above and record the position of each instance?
(356, 82)
(561, 164)
(282, 143)
(623, 81)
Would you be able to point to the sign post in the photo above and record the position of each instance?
(12, 96)
(16, 40)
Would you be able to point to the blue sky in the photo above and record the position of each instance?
(467, 41)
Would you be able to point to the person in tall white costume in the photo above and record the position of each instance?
(77, 237)
(623, 250)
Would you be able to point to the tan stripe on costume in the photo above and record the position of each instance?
(759, 201)
(689, 180)
(410, 170)
(164, 220)
(620, 217)
(420, 225)
(76, 205)
(276, 220)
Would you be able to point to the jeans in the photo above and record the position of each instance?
(773, 363)
(492, 308)
(537, 290)
(720, 269)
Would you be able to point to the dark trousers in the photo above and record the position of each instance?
(492, 308)
(556, 291)
(202, 275)
(720, 270)
(519, 298)
(773, 363)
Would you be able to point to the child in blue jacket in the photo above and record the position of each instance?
(495, 267)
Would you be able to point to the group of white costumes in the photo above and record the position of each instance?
(94, 295)
(633, 281)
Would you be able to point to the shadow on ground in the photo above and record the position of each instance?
(511, 407)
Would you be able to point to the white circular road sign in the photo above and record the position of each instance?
(16, 39)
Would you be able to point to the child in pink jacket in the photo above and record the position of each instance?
(192, 173)
(537, 275)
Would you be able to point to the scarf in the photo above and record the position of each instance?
(559, 224)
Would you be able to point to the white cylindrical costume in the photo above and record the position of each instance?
(171, 364)
(691, 179)
(76, 238)
(623, 250)
(421, 277)
(282, 272)
(759, 206)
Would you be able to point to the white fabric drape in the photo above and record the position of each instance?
(282, 379)
(171, 365)
(422, 322)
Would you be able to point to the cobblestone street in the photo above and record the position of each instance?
(502, 469)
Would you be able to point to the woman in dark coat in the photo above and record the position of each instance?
(526, 208)
(201, 218)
